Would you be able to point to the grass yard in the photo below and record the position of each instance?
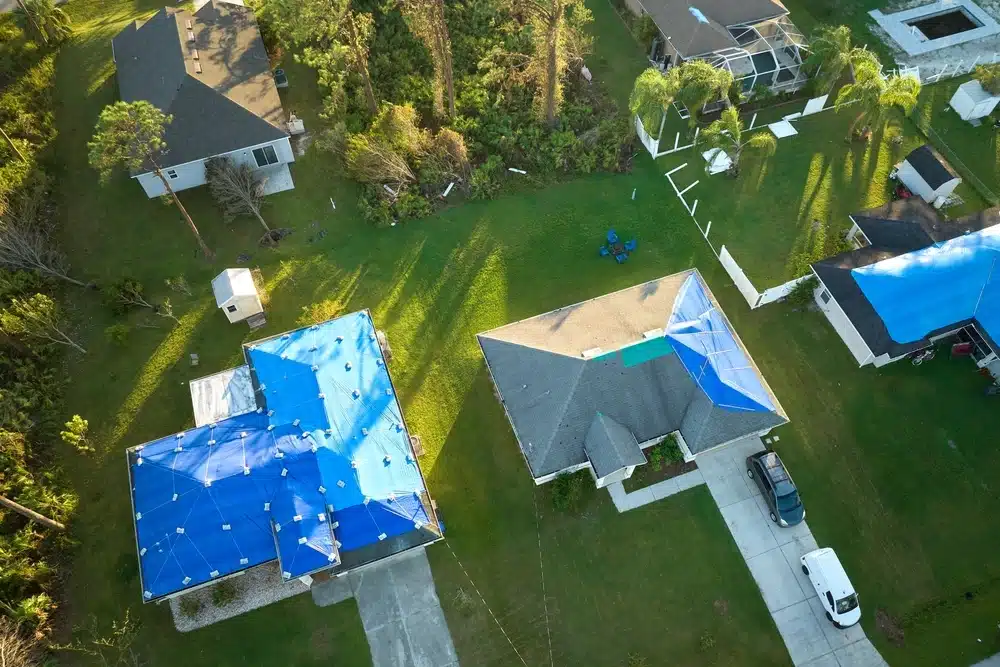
(896, 466)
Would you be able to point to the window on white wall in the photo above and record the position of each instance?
(265, 156)
(172, 173)
(825, 296)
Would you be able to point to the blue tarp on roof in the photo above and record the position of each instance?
(936, 287)
(324, 464)
(708, 350)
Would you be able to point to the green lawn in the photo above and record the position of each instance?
(908, 512)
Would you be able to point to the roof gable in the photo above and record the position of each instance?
(610, 446)
(693, 37)
(930, 166)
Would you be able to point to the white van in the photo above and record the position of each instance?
(833, 587)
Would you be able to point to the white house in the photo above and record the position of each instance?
(905, 285)
(972, 101)
(208, 69)
(927, 175)
(236, 294)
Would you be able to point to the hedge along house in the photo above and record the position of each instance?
(912, 280)
(594, 384)
(316, 472)
(209, 70)
(753, 39)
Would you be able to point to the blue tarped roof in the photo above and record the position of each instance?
(708, 349)
(324, 465)
(939, 286)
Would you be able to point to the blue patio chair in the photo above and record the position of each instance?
(621, 257)
(604, 251)
(630, 245)
(612, 237)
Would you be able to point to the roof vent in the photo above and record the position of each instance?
(187, 24)
(190, 35)
(653, 333)
(197, 67)
(591, 353)
(194, 54)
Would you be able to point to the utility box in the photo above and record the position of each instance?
(236, 294)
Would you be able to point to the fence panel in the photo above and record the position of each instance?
(652, 145)
(743, 283)
(778, 293)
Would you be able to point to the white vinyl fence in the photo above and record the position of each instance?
(949, 70)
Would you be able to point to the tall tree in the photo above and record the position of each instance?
(43, 18)
(727, 133)
(652, 93)
(130, 135)
(560, 39)
(426, 20)
(25, 237)
(830, 54)
(699, 83)
(236, 188)
(334, 38)
(36, 316)
(873, 95)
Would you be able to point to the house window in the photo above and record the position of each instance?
(231, 309)
(265, 156)
(172, 173)
(824, 296)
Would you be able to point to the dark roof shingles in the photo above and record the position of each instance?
(931, 167)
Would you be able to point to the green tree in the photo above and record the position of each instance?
(558, 29)
(727, 134)
(989, 77)
(427, 21)
(334, 38)
(130, 135)
(43, 18)
(76, 434)
(830, 54)
(873, 95)
(652, 93)
(36, 316)
(699, 84)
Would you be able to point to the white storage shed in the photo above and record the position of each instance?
(927, 175)
(972, 101)
(236, 294)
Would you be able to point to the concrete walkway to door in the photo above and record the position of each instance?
(772, 555)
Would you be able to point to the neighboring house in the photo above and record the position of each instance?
(754, 39)
(926, 174)
(914, 279)
(593, 384)
(209, 70)
(301, 456)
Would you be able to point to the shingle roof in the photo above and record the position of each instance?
(552, 392)
(693, 38)
(232, 103)
(931, 166)
(610, 446)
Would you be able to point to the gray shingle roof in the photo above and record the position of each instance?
(693, 38)
(552, 397)
(232, 103)
(931, 166)
(610, 446)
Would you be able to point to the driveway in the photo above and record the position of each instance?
(400, 612)
(772, 555)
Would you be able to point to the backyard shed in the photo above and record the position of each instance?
(973, 102)
(927, 175)
(236, 294)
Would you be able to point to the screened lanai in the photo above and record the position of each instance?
(769, 53)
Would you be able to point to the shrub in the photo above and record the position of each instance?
(707, 641)
(32, 612)
(191, 606)
(487, 178)
(224, 593)
(76, 434)
(374, 208)
(646, 30)
(802, 294)
(567, 491)
(410, 206)
(989, 77)
(117, 334)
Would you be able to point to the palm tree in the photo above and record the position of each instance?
(830, 53)
(699, 83)
(46, 20)
(727, 134)
(874, 95)
(652, 93)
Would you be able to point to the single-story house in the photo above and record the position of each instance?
(971, 101)
(927, 175)
(301, 455)
(209, 70)
(594, 384)
(914, 279)
(754, 39)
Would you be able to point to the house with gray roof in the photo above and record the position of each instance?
(207, 69)
(593, 384)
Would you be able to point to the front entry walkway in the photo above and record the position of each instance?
(772, 555)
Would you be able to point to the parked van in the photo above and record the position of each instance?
(833, 587)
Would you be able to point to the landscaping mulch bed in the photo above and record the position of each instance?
(647, 475)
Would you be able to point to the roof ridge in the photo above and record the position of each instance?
(565, 406)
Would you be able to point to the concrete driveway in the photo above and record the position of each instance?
(772, 555)
(400, 612)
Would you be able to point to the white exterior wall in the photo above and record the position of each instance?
(947, 188)
(192, 174)
(909, 177)
(246, 305)
(616, 476)
(842, 325)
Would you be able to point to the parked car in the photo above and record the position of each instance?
(833, 587)
(777, 487)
